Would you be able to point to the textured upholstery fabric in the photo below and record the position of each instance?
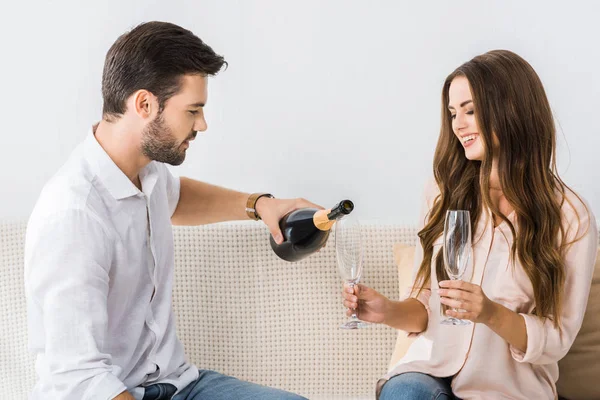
(16, 364)
(242, 311)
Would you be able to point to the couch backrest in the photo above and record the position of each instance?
(16, 364)
(242, 311)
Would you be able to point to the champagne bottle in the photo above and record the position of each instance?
(306, 230)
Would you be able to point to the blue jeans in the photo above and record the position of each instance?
(212, 385)
(417, 386)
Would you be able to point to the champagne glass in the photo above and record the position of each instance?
(457, 250)
(349, 252)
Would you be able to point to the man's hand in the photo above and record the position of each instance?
(272, 210)
(124, 396)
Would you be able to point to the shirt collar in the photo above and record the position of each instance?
(115, 181)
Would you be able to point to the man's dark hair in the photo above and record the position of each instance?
(153, 56)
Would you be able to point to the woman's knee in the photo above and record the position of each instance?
(415, 385)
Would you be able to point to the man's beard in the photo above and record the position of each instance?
(159, 143)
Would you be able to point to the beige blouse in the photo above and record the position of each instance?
(483, 364)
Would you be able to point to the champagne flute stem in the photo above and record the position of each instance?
(353, 316)
(453, 308)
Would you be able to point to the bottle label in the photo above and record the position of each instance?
(321, 221)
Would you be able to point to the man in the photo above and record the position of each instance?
(99, 245)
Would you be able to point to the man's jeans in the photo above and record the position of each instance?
(417, 386)
(214, 386)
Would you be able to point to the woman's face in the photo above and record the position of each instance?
(464, 123)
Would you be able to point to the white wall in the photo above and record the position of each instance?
(322, 99)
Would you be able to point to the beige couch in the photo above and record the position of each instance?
(244, 312)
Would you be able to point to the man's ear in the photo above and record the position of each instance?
(144, 104)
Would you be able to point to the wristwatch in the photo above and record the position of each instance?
(251, 204)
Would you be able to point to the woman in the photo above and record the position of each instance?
(534, 248)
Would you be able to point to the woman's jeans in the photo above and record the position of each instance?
(417, 386)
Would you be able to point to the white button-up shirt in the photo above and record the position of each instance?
(98, 276)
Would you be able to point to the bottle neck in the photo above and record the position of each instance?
(324, 219)
(335, 213)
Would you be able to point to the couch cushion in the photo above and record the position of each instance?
(579, 369)
(244, 312)
(16, 363)
(403, 256)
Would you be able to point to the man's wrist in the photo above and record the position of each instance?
(124, 396)
(261, 204)
(251, 204)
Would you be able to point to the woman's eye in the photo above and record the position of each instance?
(193, 112)
(470, 112)
(453, 116)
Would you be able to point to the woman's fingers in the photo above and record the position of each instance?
(350, 304)
(456, 294)
(458, 304)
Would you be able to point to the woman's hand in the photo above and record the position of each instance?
(470, 301)
(368, 304)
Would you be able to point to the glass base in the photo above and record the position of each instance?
(455, 321)
(354, 324)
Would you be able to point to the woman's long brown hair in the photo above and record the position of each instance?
(510, 103)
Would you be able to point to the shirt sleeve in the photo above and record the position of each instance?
(545, 343)
(67, 266)
(428, 199)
